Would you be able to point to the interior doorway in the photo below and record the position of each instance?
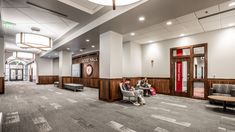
(189, 71)
(16, 74)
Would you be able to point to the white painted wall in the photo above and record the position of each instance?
(221, 54)
(111, 55)
(132, 60)
(44, 66)
(65, 63)
(2, 57)
(56, 67)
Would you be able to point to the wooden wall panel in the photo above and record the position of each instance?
(2, 85)
(110, 90)
(47, 79)
(162, 85)
(212, 81)
(63, 80)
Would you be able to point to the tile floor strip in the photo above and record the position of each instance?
(221, 128)
(44, 97)
(173, 104)
(228, 118)
(42, 124)
(58, 93)
(12, 118)
(159, 129)
(171, 120)
(119, 127)
(163, 109)
(55, 105)
(71, 100)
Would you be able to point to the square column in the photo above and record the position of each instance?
(65, 67)
(2, 65)
(110, 65)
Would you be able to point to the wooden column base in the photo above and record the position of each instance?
(2, 85)
(110, 90)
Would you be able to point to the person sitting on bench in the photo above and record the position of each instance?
(137, 93)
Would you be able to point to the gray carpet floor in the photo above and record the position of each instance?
(27, 107)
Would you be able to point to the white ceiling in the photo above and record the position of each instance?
(187, 25)
(25, 17)
(83, 5)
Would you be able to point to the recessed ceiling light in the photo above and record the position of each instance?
(231, 4)
(231, 24)
(169, 23)
(93, 46)
(182, 35)
(132, 34)
(150, 41)
(142, 18)
(81, 50)
(68, 48)
(87, 40)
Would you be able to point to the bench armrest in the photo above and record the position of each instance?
(233, 92)
(211, 91)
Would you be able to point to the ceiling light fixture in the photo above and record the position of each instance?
(87, 40)
(29, 40)
(142, 18)
(93, 46)
(68, 48)
(132, 34)
(114, 3)
(81, 50)
(231, 4)
(169, 23)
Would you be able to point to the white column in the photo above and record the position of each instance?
(111, 55)
(132, 60)
(65, 63)
(2, 57)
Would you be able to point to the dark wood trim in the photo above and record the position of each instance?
(47, 79)
(2, 85)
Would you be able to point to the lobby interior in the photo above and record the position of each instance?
(117, 66)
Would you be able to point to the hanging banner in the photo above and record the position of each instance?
(179, 72)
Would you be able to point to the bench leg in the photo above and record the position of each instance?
(224, 105)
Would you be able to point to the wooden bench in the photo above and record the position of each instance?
(73, 86)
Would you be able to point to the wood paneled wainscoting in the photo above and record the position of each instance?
(47, 79)
(162, 85)
(65, 79)
(87, 82)
(2, 85)
(212, 81)
(110, 90)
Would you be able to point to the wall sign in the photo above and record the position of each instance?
(89, 70)
(90, 59)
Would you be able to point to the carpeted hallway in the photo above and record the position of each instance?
(27, 107)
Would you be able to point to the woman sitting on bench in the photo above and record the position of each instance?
(138, 93)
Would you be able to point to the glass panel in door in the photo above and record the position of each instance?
(13, 75)
(19, 74)
(181, 76)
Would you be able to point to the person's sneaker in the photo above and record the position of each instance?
(136, 104)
